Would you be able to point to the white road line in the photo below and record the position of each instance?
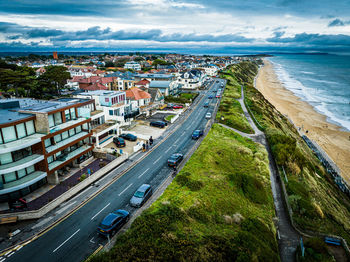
(19, 248)
(144, 172)
(183, 132)
(125, 189)
(65, 208)
(167, 150)
(177, 140)
(100, 211)
(3, 259)
(66, 240)
(10, 254)
(92, 241)
(157, 160)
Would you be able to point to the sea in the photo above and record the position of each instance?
(322, 80)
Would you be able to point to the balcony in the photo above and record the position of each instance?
(66, 124)
(68, 157)
(21, 143)
(23, 182)
(65, 141)
(21, 164)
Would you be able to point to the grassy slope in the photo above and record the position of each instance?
(218, 208)
(230, 108)
(182, 98)
(317, 203)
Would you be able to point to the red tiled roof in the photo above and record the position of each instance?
(95, 86)
(142, 82)
(137, 94)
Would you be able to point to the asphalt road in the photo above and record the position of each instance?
(76, 237)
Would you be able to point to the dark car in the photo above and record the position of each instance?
(177, 106)
(113, 222)
(197, 134)
(210, 97)
(129, 137)
(160, 124)
(175, 159)
(141, 195)
(119, 142)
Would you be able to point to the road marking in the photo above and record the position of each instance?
(167, 150)
(177, 140)
(10, 254)
(183, 132)
(19, 248)
(143, 173)
(157, 160)
(92, 241)
(125, 189)
(66, 240)
(65, 208)
(100, 211)
(3, 259)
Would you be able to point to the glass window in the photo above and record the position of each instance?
(30, 169)
(65, 135)
(47, 142)
(110, 112)
(86, 126)
(9, 177)
(51, 122)
(58, 138)
(20, 154)
(21, 130)
(1, 142)
(30, 127)
(5, 158)
(67, 114)
(78, 129)
(9, 134)
(71, 132)
(21, 173)
(50, 159)
(72, 113)
(58, 118)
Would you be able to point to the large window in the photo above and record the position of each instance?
(5, 158)
(67, 114)
(30, 169)
(21, 130)
(58, 118)
(78, 129)
(51, 121)
(72, 113)
(20, 154)
(9, 177)
(21, 173)
(65, 135)
(9, 134)
(30, 127)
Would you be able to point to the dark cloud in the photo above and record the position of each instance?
(338, 22)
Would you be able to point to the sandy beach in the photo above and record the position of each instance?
(330, 137)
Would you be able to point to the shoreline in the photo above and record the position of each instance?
(333, 139)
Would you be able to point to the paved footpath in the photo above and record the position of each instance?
(288, 238)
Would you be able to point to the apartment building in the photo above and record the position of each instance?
(40, 140)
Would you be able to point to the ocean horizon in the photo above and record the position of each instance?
(323, 81)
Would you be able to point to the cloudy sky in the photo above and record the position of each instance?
(206, 26)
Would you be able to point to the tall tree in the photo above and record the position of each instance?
(56, 76)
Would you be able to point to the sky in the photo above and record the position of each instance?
(204, 26)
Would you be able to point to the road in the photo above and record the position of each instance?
(75, 238)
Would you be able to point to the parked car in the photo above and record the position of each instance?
(206, 104)
(129, 137)
(141, 195)
(160, 124)
(113, 222)
(208, 115)
(177, 106)
(119, 142)
(210, 97)
(175, 159)
(197, 134)
(170, 105)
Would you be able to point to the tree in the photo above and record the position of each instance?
(109, 64)
(56, 77)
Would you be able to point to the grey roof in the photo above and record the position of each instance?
(155, 76)
(160, 84)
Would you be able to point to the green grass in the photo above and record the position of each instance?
(169, 117)
(317, 204)
(218, 208)
(181, 98)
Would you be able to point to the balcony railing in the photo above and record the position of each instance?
(21, 164)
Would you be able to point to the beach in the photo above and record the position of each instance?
(334, 141)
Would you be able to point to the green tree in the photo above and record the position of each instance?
(55, 77)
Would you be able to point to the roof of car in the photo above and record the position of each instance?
(108, 220)
(143, 187)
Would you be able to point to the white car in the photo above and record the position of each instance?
(208, 116)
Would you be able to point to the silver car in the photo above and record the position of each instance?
(141, 195)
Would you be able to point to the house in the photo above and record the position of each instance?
(138, 97)
(40, 71)
(211, 69)
(142, 83)
(156, 96)
(132, 65)
(155, 77)
(41, 140)
(192, 79)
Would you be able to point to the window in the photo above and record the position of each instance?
(65, 135)
(47, 142)
(71, 132)
(50, 159)
(106, 100)
(51, 121)
(58, 138)
(9, 177)
(78, 129)
(1, 142)
(20, 154)
(21, 173)
(58, 118)
(21, 130)
(9, 134)
(67, 114)
(110, 112)
(30, 169)
(30, 127)
(72, 113)
(86, 126)
(5, 158)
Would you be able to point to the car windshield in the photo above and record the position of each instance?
(104, 227)
(139, 194)
(196, 132)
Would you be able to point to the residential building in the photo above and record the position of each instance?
(132, 65)
(192, 79)
(40, 140)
